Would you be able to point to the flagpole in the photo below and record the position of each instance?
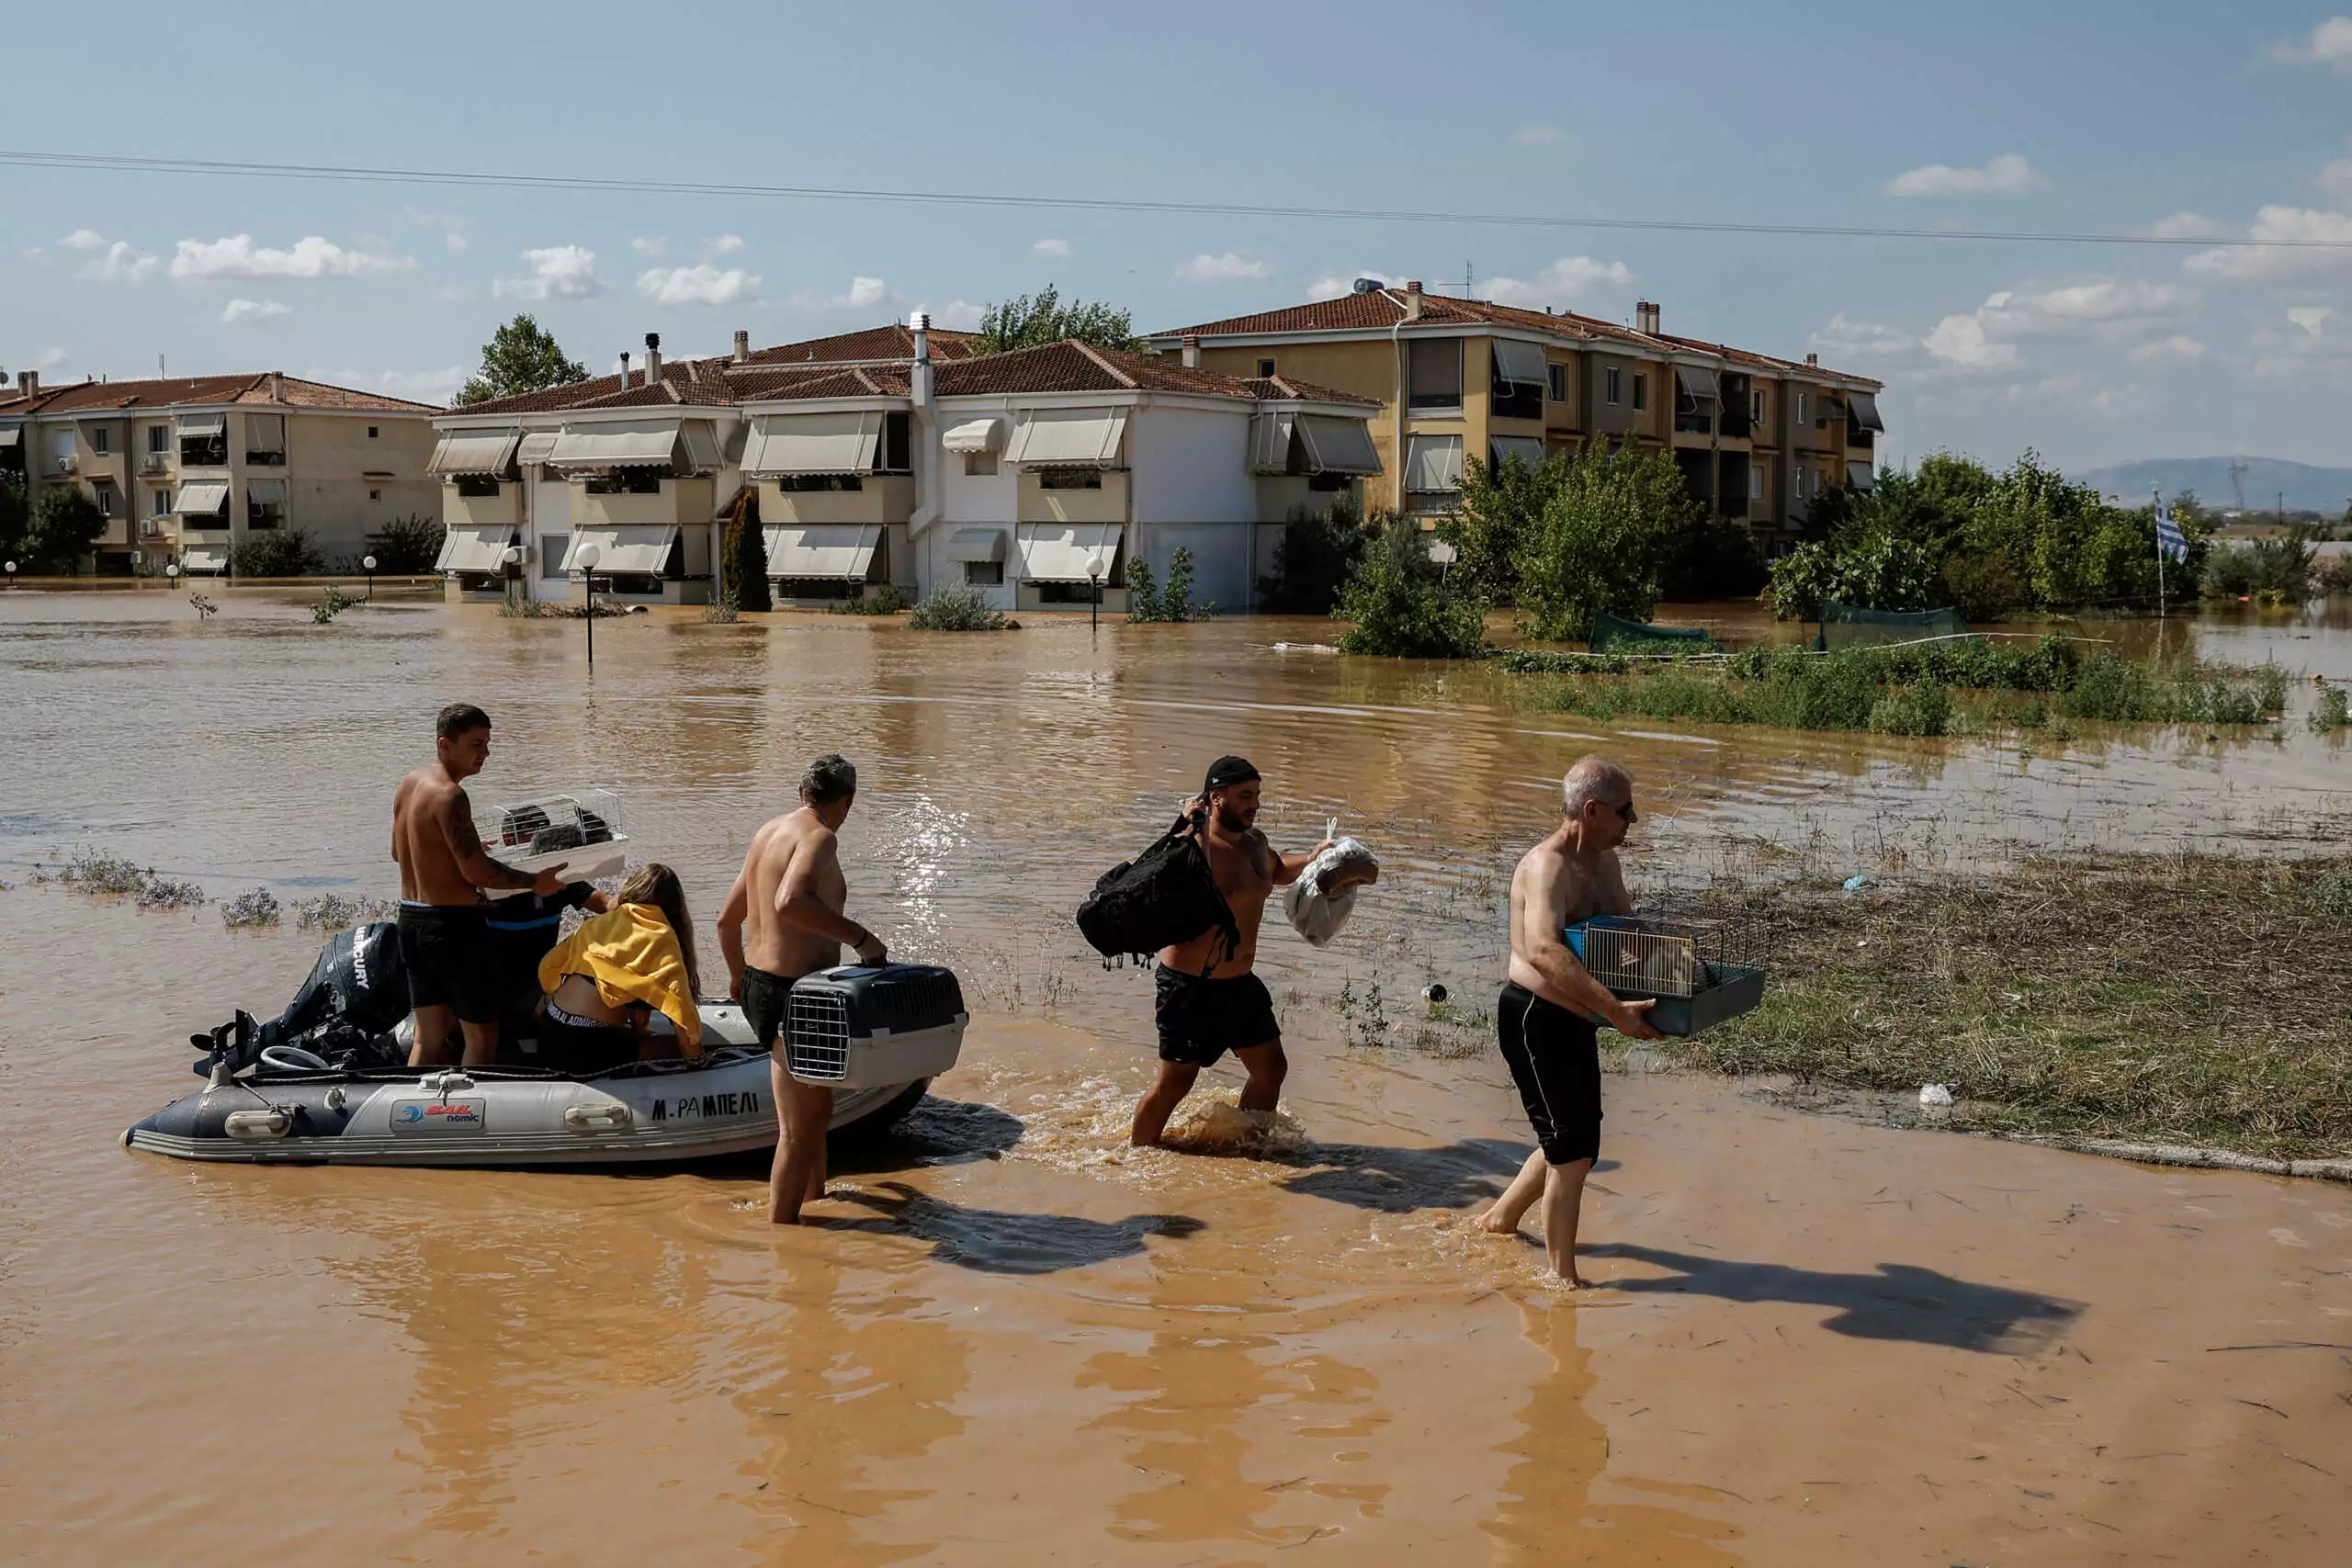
(2156, 515)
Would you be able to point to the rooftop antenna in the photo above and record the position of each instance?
(1469, 280)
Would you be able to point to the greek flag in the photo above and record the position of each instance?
(2170, 540)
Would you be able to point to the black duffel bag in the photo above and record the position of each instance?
(1165, 896)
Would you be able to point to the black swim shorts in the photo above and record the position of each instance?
(1202, 1020)
(767, 1000)
(446, 948)
(1555, 1057)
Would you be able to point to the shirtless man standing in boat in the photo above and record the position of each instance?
(1546, 1016)
(1209, 1002)
(783, 921)
(443, 943)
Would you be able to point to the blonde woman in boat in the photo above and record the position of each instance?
(605, 981)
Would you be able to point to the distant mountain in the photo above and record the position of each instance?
(2308, 489)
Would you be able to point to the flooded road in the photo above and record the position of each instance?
(1816, 1343)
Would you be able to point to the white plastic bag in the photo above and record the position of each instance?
(1314, 913)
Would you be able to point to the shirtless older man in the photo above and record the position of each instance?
(443, 943)
(1202, 1017)
(783, 921)
(1545, 1017)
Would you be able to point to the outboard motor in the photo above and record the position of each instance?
(356, 993)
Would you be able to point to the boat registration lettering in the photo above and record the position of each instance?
(435, 1118)
(705, 1107)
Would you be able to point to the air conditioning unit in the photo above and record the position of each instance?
(155, 463)
(69, 465)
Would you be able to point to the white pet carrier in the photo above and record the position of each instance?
(856, 1025)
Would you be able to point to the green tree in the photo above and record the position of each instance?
(521, 357)
(1173, 603)
(1403, 605)
(1025, 322)
(407, 546)
(747, 560)
(1314, 558)
(15, 516)
(1496, 516)
(1595, 548)
(64, 524)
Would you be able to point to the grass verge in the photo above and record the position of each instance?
(2197, 998)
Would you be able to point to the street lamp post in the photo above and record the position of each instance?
(172, 573)
(370, 563)
(510, 559)
(12, 574)
(586, 557)
(1095, 611)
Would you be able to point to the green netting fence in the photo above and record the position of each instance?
(1849, 626)
(1616, 633)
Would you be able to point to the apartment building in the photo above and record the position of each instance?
(184, 468)
(1758, 438)
(895, 455)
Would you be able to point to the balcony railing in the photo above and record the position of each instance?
(1693, 421)
(155, 463)
(264, 459)
(1857, 438)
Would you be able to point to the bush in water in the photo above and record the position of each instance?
(276, 552)
(2331, 713)
(1313, 560)
(1595, 547)
(251, 911)
(407, 546)
(957, 610)
(1403, 606)
(1173, 603)
(886, 600)
(747, 562)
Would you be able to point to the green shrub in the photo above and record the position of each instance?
(1709, 558)
(1912, 710)
(407, 546)
(2277, 572)
(336, 602)
(1985, 586)
(747, 561)
(63, 527)
(957, 610)
(884, 601)
(278, 552)
(1173, 603)
(2332, 712)
(1314, 558)
(1594, 547)
(1403, 605)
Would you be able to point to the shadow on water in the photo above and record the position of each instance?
(936, 1132)
(1399, 1181)
(1899, 1302)
(994, 1241)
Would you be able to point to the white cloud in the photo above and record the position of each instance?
(558, 272)
(703, 284)
(1567, 279)
(2330, 44)
(724, 245)
(2178, 349)
(1962, 340)
(2336, 177)
(957, 315)
(2285, 247)
(1051, 247)
(649, 245)
(1230, 267)
(1538, 135)
(1847, 339)
(119, 263)
(312, 256)
(83, 240)
(2008, 175)
(864, 294)
(246, 312)
(2311, 318)
(2116, 311)
(51, 358)
(2185, 226)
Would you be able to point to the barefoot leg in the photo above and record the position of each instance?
(1562, 1206)
(798, 1175)
(1518, 1198)
(1267, 1067)
(1174, 1083)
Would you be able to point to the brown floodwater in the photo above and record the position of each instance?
(1012, 1338)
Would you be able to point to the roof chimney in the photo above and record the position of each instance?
(1413, 299)
(28, 382)
(653, 359)
(276, 386)
(624, 370)
(1645, 317)
(919, 373)
(1192, 351)
(742, 346)
(1813, 359)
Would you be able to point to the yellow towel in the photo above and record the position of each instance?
(632, 954)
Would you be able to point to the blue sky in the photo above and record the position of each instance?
(2155, 116)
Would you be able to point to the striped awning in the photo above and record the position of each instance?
(475, 549)
(821, 549)
(646, 443)
(1068, 552)
(203, 498)
(1335, 445)
(1082, 438)
(843, 441)
(642, 550)
(489, 453)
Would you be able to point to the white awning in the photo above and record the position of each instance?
(1083, 438)
(1863, 411)
(266, 431)
(474, 549)
(976, 544)
(1860, 476)
(205, 557)
(1517, 361)
(537, 446)
(202, 425)
(1433, 463)
(643, 551)
(844, 441)
(702, 445)
(843, 550)
(638, 444)
(11, 432)
(1528, 449)
(1269, 433)
(265, 493)
(203, 497)
(1697, 381)
(1068, 552)
(1337, 445)
(490, 452)
(974, 435)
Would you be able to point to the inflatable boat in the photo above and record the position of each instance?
(318, 1085)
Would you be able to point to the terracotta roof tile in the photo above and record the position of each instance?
(1276, 388)
(892, 341)
(182, 391)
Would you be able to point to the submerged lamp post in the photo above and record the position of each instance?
(369, 562)
(586, 557)
(511, 558)
(12, 574)
(172, 573)
(1095, 611)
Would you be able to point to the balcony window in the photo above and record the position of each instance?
(159, 440)
(205, 452)
(1755, 484)
(626, 481)
(1556, 378)
(159, 504)
(983, 574)
(477, 486)
(1516, 388)
(1755, 406)
(1433, 470)
(552, 549)
(1801, 414)
(103, 493)
(1612, 383)
(818, 484)
(101, 440)
(266, 503)
(1641, 390)
(266, 440)
(897, 456)
(1069, 478)
(1433, 375)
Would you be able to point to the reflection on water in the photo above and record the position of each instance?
(1013, 1337)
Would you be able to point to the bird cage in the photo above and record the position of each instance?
(1697, 970)
(580, 831)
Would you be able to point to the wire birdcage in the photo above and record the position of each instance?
(581, 831)
(1673, 955)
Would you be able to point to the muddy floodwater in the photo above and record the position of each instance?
(1010, 1338)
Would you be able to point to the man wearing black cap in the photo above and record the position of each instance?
(1209, 1002)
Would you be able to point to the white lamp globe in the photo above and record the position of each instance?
(171, 568)
(368, 562)
(512, 555)
(587, 556)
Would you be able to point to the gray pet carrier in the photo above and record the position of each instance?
(859, 1025)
